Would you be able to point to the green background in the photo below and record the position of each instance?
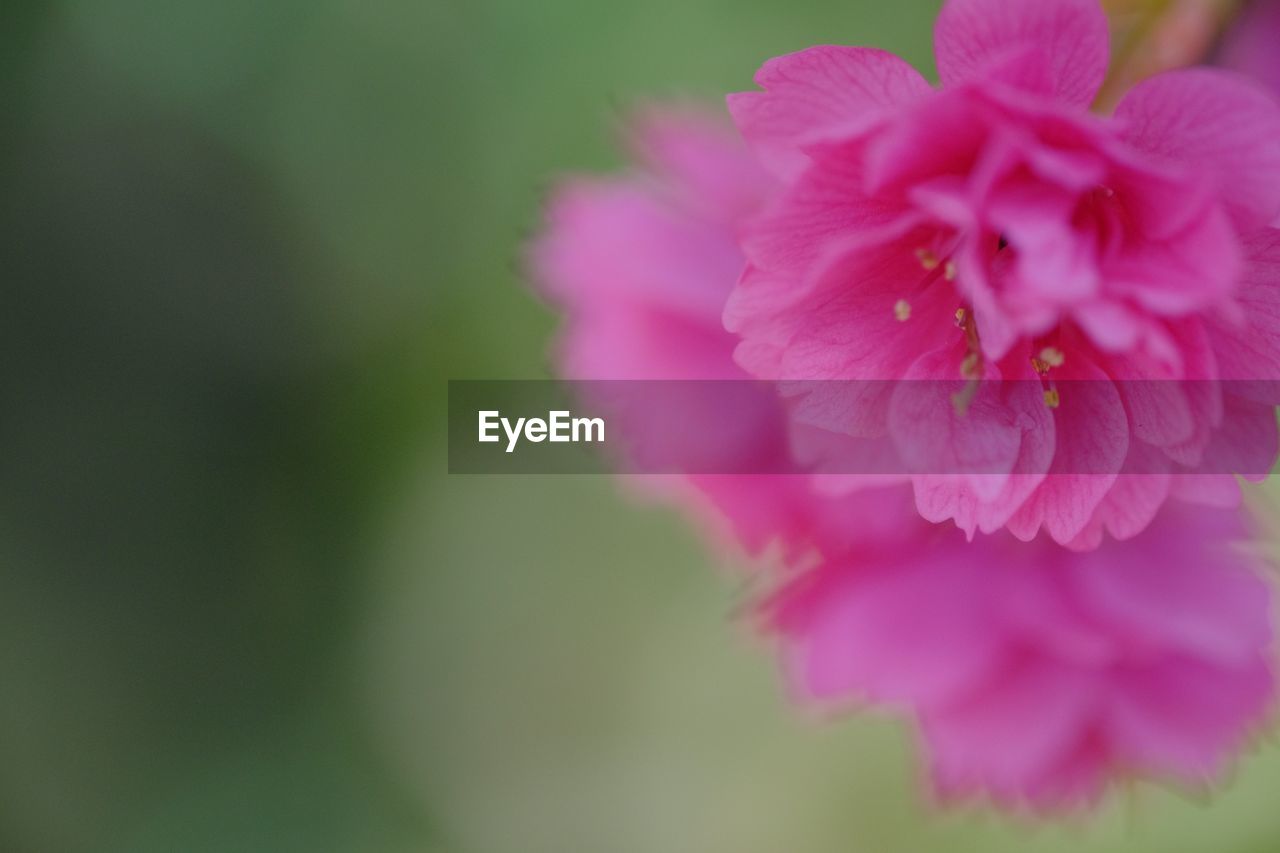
(242, 607)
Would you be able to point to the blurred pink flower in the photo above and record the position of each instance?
(996, 230)
(1250, 45)
(641, 266)
(1037, 675)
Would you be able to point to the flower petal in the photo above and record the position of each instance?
(1092, 444)
(984, 742)
(1248, 348)
(1180, 716)
(1219, 124)
(859, 633)
(1186, 587)
(974, 37)
(986, 502)
(1133, 501)
(815, 90)
(701, 160)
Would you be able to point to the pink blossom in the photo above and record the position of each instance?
(641, 266)
(1036, 674)
(993, 231)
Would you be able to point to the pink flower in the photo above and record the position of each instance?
(997, 231)
(641, 266)
(1036, 674)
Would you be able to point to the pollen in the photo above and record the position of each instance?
(1052, 398)
(902, 310)
(961, 316)
(963, 399)
(1049, 358)
(927, 259)
(1052, 356)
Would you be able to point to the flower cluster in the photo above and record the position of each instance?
(1098, 611)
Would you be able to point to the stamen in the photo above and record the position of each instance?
(972, 366)
(1049, 358)
(950, 271)
(927, 259)
(1052, 398)
(902, 310)
(963, 398)
(1052, 356)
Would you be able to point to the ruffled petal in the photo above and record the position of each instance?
(816, 90)
(1218, 124)
(975, 37)
(1092, 444)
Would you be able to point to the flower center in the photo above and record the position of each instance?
(971, 366)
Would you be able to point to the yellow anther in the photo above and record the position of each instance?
(927, 259)
(1052, 398)
(1052, 356)
(963, 399)
(902, 310)
(961, 315)
(950, 271)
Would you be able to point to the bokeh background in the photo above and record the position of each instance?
(242, 606)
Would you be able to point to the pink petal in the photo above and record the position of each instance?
(1133, 500)
(1092, 443)
(702, 160)
(916, 633)
(982, 440)
(844, 325)
(816, 90)
(986, 742)
(1246, 443)
(1250, 45)
(986, 502)
(1184, 588)
(1217, 491)
(908, 149)
(825, 205)
(1219, 124)
(610, 240)
(1159, 411)
(798, 265)
(1056, 264)
(1191, 270)
(974, 37)
(1248, 347)
(1182, 715)
(1202, 392)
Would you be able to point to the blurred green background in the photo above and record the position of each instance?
(243, 608)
